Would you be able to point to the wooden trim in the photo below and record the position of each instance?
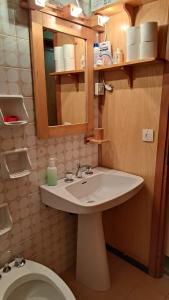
(89, 82)
(66, 72)
(159, 203)
(64, 26)
(37, 50)
(127, 258)
(40, 20)
(56, 11)
(58, 99)
(129, 64)
(62, 130)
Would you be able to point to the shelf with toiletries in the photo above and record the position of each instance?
(141, 49)
(127, 64)
(126, 67)
(12, 110)
(69, 58)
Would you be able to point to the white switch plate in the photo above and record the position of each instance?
(99, 88)
(148, 135)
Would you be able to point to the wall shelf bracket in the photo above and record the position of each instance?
(75, 77)
(131, 12)
(129, 73)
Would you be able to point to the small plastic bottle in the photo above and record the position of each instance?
(52, 173)
(96, 53)
(118, 56)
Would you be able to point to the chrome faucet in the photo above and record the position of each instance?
(85, 168)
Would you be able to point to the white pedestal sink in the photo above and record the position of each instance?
(88, 197)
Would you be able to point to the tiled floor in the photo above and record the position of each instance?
(128, 283)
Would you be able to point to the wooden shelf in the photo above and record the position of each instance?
(127, 67)
(94, 141)
(127, 64)
(118, 5)
(129, 6)
(66, 72)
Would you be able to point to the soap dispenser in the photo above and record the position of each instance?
(51, 172)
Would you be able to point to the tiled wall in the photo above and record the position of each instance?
(40, 233)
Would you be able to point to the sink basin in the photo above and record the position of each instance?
(88, 197)
(105, 189)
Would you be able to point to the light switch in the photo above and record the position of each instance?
(148, 135)
(99, 88)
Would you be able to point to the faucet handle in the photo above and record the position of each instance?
(6, 268)
(78, 164)
(69, 177)
(89, 170)
(19, 262)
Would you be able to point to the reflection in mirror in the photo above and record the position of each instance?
(64, 67)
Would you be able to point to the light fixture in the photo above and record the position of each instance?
(75, 11)
(37, 4)
(103, 20)
(124, 27)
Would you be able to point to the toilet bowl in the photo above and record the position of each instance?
(33, 281)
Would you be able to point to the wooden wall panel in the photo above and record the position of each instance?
(73, 102)
(124, 114)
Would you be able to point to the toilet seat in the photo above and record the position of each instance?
(33, 281)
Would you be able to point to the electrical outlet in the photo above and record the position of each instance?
(148, 135)
(99, 88)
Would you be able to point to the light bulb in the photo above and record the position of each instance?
(103, 20)
(76, 11)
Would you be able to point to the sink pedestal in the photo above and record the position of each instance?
(92, 265)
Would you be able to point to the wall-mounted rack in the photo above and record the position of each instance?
(95, 141)
(5, 219)
(15, 163)
(127, 67)
(13, 105)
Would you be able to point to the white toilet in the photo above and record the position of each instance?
(33, 281)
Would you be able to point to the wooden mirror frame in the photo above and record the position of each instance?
(40, 20)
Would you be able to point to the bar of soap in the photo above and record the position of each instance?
(11, 119)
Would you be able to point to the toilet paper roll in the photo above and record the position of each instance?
(148, 32)
(58, 53)
(68, 51)
(59, 65)
(69, 64)
(148, 50)
(133, 35)
(133, 52)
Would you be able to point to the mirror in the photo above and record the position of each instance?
(62, 60)
(64, 69)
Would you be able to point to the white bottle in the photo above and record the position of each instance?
(52, 173)
(96, 54)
